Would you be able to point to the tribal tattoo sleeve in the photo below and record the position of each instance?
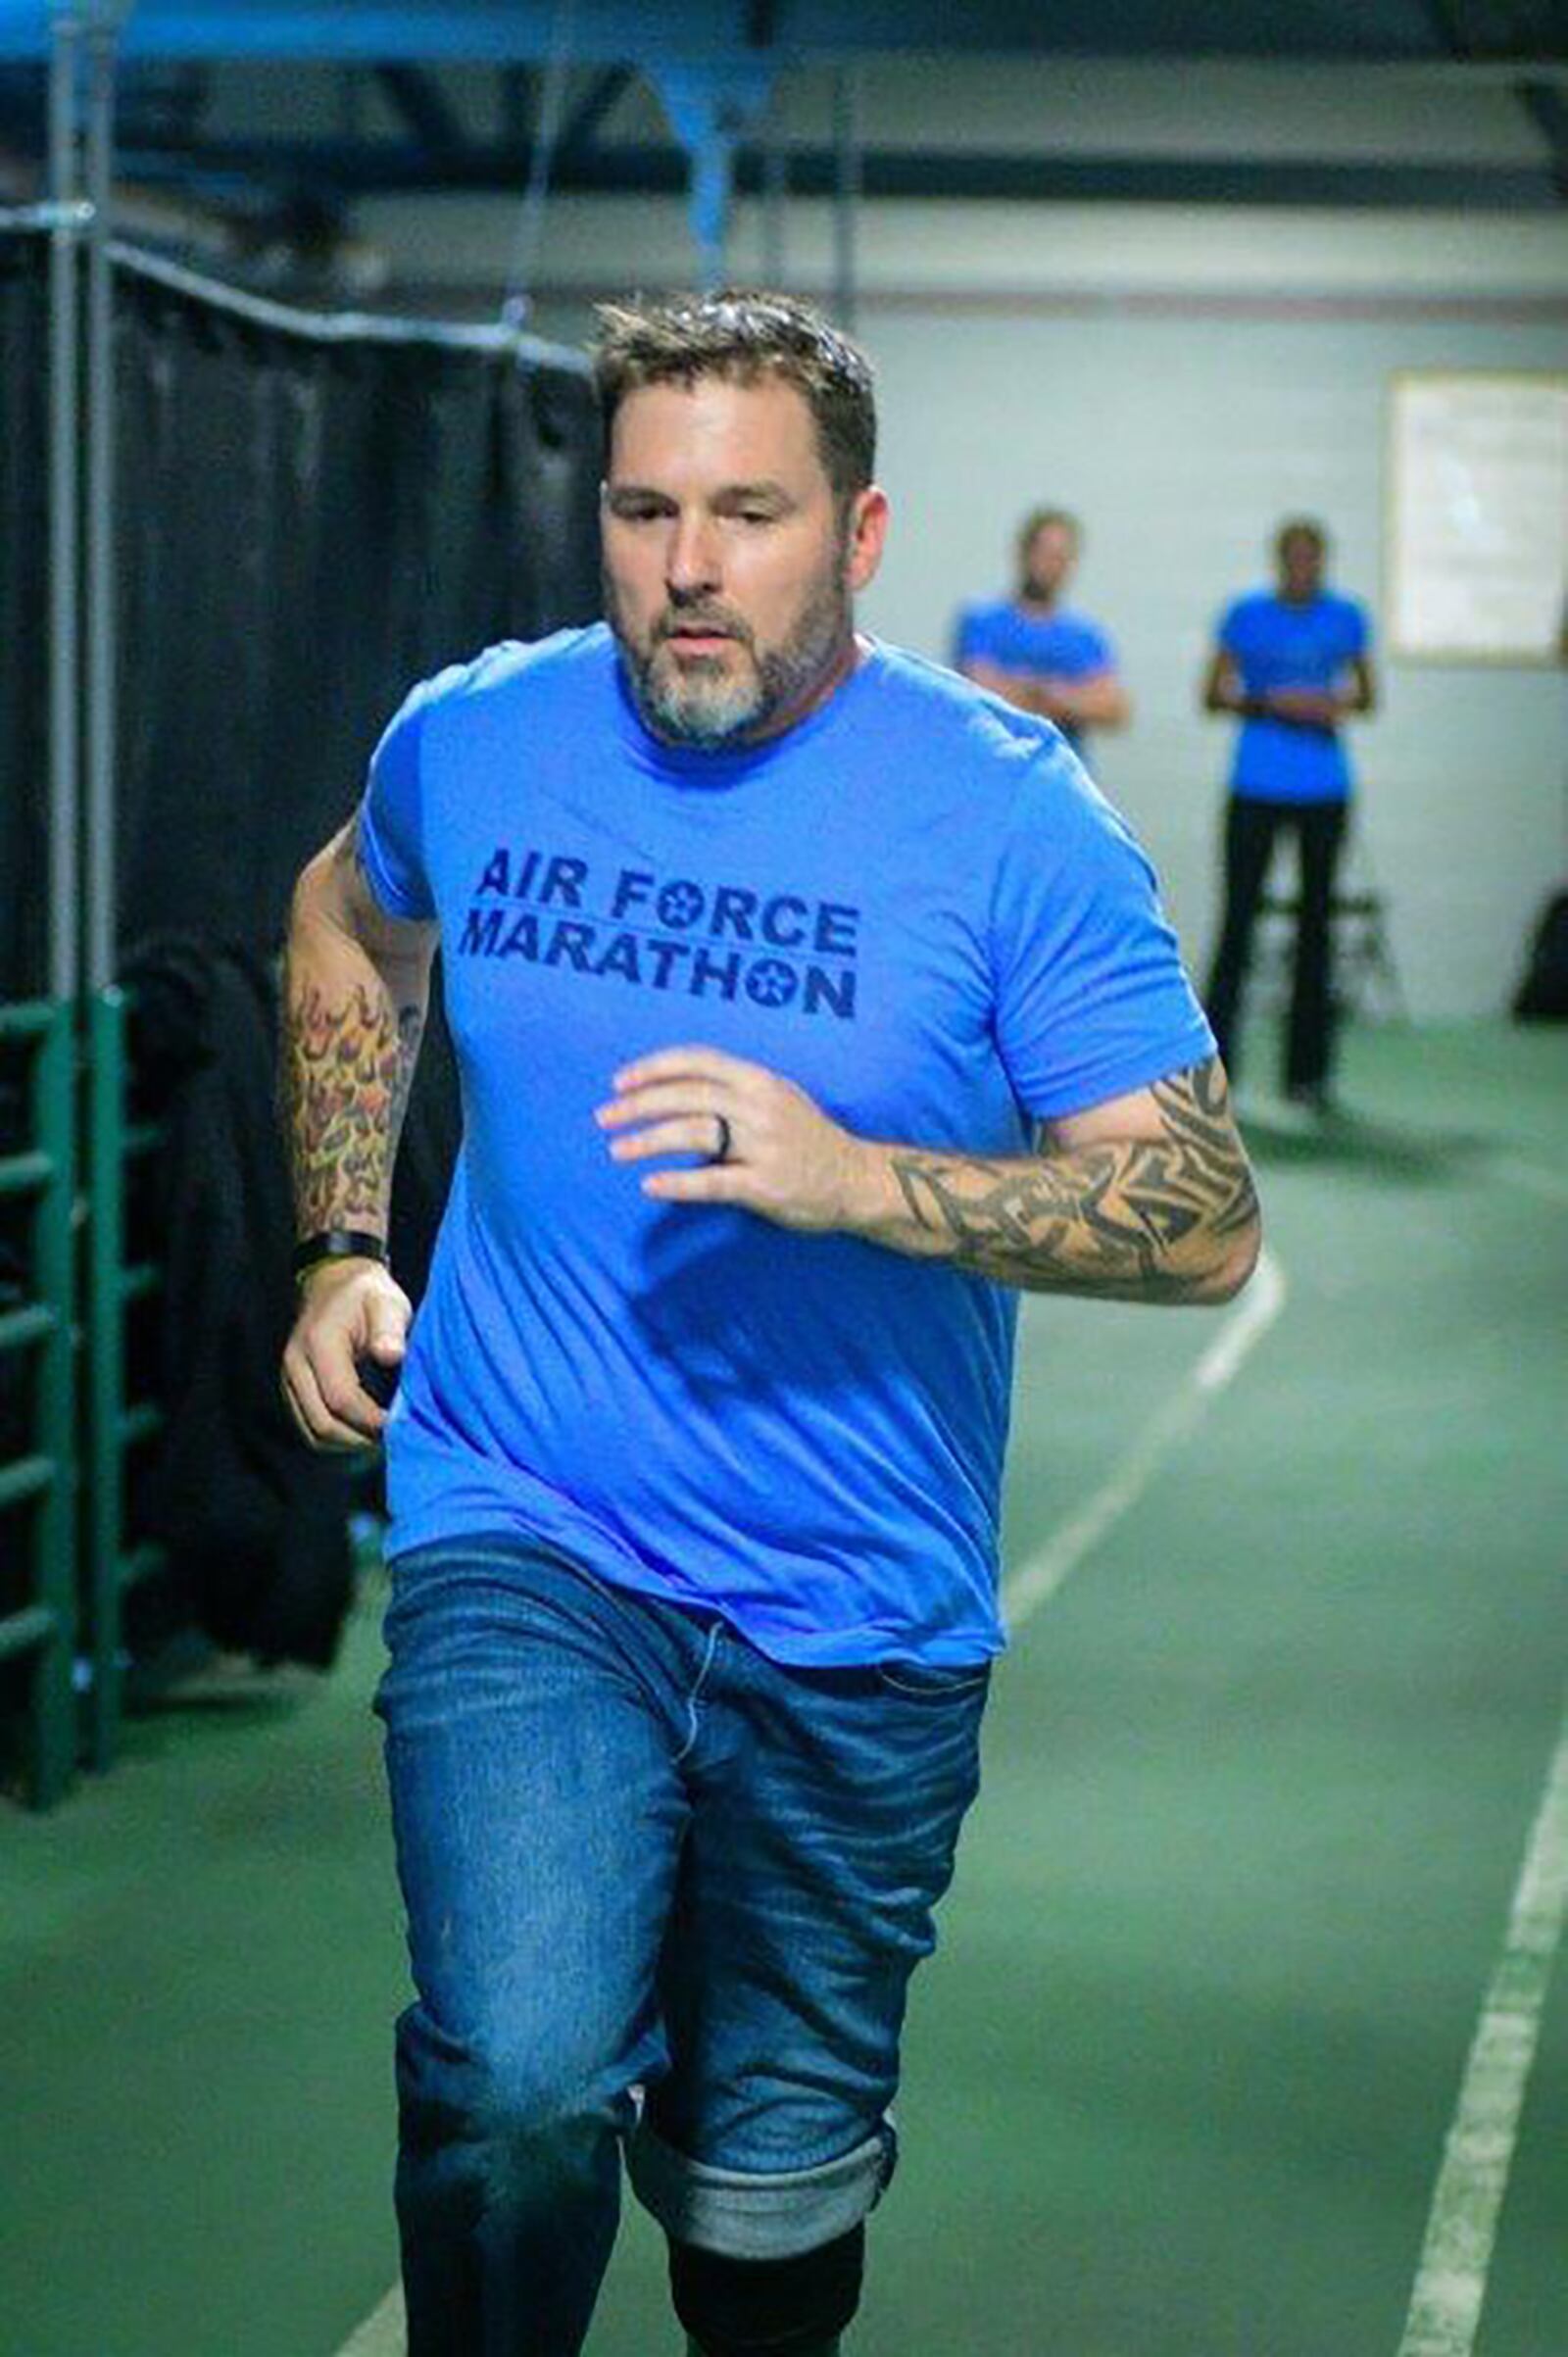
(1152, 1219)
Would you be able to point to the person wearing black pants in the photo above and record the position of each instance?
(1251, 829)
(1291, 663)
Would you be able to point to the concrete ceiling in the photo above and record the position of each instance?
(305, 107)
(801, 32)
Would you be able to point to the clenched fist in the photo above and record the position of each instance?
(351, 1312)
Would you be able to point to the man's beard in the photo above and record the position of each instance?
(702, 702)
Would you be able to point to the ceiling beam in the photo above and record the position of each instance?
(1446, 21)
(804, 32)
(1516, 32)
(517, 106)
(588, 118)
(381, 167)
(1548, 109)
(424, 107)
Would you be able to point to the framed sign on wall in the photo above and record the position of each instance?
(1478, 501)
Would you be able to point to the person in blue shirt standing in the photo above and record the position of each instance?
(809, 1006)
(1034, 650)
(1293, 663)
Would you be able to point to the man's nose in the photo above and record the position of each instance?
(692, 563)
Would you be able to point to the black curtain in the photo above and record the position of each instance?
(24, 810)
(23, 615)
(306, 526)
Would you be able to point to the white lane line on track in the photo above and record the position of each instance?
(382, 2334)
(1450, 2283)
(1039, 1576)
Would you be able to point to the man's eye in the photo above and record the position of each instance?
(756, 515)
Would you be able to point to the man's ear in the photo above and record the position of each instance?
(869, 516)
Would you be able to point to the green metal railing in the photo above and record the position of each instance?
(39, 1486)
(63, 1496)
(113, 1427)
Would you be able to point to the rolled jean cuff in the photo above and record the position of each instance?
(743, 2214)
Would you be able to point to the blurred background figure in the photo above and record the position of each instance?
(1291, 663)
(1034, 649)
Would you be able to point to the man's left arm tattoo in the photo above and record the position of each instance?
(347, 1069)
(1172, 1218)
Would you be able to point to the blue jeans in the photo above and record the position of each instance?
(663, 1895)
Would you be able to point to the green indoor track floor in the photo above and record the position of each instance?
(1261, 1774)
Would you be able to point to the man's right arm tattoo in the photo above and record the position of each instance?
(1150, 1219)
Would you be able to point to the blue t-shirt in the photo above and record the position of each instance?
(1062, 645)
(1274, 645)
(915, 906)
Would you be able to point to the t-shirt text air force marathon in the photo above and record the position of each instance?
(915, 906)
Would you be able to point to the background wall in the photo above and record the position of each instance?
(1181, 436)
(1181, 377)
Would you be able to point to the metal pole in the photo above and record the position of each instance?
(65, 549)
(104, 1308)
(55, 1528)
(711, 165)
(775, 189)
(847, 190)
(104, 1333)
(100, 848)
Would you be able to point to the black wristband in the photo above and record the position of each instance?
(338, 1243)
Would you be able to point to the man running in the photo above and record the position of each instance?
(810, 1005)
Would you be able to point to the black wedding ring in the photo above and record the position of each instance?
(721, 1152)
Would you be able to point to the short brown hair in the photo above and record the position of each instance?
(1301, 527)
(743, 335)
(1036, 522)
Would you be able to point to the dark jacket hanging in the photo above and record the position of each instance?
(255, 1525)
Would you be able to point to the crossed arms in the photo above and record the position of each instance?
(1298, 706)
(1095, 700)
